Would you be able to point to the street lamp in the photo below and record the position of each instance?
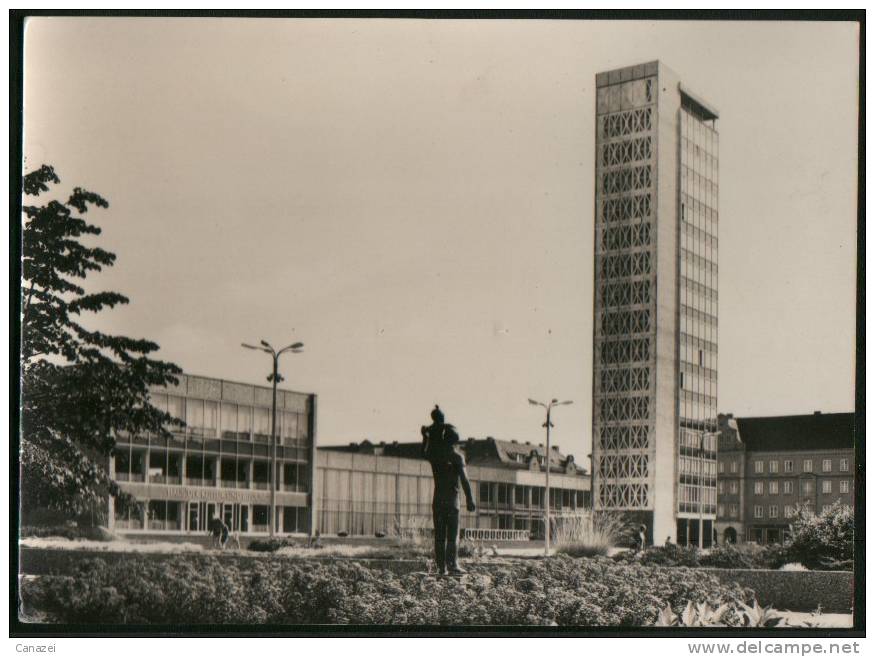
(274, 378)
(547, 424)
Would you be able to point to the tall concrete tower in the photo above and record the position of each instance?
(655, 308)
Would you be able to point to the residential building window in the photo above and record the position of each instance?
(757, 511)
(486, 493)
(788, 487)
(733, 487)
(733, 467)
(788, 511)
(807, 465)
(827, 486)
(721, 467)
(720, 487)
(733, 510)
(807, 487)
(758, 467)
(758, 488)
(843, 465)
(788, 466)
(773, 488)
(720, 510)
(844, 486)
(827, 465)
(773, 467)
(773, 511)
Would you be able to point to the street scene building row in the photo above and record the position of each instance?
(219, 465)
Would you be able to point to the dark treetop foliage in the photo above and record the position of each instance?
(80, 387)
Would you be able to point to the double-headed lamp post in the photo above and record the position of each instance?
(547, 424)
(275, 378)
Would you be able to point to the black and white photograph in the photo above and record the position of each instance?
(441, 322)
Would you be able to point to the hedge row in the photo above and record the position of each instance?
(771, 557)
(195, 589)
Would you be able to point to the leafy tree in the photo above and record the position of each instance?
(80, 387)
(823, 541)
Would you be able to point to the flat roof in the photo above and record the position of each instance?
(785, 433)
(702, 106)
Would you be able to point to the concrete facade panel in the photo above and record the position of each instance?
(238, 393)
(203, 388)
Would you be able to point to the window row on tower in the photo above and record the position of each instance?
(625, 123)
(625, 436)
(698, 186)
(631, 350)
(699, 294)
(624, 466)
(624, 265)
(625, 293)
(631, 379)
(626, 208)
(618, 153)
(631, 495)
(626, 237)
(627, 179)
(621, 409)
(625, 322)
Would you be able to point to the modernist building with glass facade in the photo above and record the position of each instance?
(655, 304)
(770, 466)
(369, 489)
(219, 463)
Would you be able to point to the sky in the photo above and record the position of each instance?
(413, 200)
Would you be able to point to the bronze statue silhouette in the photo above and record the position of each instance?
(448, 469)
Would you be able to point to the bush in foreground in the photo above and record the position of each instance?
(203, 589)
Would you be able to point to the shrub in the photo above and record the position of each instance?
(824, 541)
(199, 589)
(733, 556)
(772, 557)
(70, 531)
(587, 534)
(746, 555)
(670, 555)
(269, 545)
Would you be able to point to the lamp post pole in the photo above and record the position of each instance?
(274, 378)
(547, 424)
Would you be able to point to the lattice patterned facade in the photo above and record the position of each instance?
(625, 305)
(654, 373)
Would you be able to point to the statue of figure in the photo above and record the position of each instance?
(448, 469)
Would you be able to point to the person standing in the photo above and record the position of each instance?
(215, 529)
(448, 471)
(642, 537)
